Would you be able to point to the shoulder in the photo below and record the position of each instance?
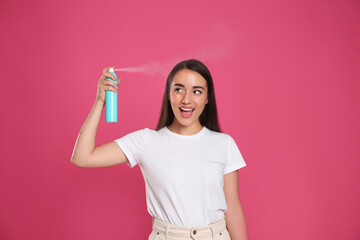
(140, 134)
(222, 139)
(219, 135)
(151, 133)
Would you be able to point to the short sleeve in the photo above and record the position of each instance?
(132, 145)
(235, 159)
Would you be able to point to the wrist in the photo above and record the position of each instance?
(98, 101)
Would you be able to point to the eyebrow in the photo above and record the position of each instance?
(181, 85)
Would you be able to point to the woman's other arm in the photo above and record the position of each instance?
(234, 216)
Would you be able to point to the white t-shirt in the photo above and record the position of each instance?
(184, 174)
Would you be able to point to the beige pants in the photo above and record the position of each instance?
(165, 231)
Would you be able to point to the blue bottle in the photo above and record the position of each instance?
(111, 102)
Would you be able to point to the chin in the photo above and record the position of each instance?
(187, 122)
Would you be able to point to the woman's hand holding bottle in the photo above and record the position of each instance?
(103, 84)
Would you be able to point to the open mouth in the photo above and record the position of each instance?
(186, 109)
(186, 112)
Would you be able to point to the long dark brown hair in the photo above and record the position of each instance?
(208, 117)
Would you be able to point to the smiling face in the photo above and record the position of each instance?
(188, 96)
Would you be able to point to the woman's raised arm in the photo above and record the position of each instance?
(85, 154)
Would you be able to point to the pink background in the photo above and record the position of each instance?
(286, 76)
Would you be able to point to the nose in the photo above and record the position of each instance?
(186, 98)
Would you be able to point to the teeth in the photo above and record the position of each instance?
(186, 109)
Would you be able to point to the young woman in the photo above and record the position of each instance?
(189, 166)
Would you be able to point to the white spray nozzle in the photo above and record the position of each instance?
(111, 70)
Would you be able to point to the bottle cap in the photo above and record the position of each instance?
(111, 70)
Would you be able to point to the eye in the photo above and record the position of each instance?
(177, 89)
(198, 91)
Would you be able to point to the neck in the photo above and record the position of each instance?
(185, 130)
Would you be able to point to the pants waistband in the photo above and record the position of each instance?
(210, 230)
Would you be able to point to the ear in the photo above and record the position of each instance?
(207, 100)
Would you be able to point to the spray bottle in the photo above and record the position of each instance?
(111, 102)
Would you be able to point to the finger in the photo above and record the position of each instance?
(110, 75)
(109, 82)
(105, 70)
(119, 80)
(108, 88)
